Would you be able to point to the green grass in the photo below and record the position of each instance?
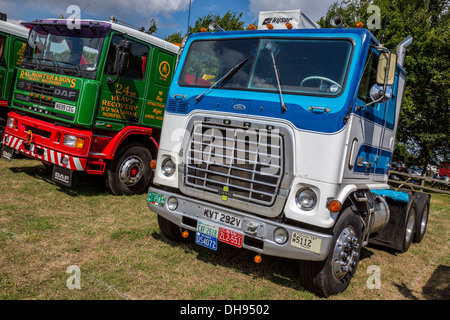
(121, 253)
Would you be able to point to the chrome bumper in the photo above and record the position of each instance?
(257, 232)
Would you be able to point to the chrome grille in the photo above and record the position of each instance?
(239, 163)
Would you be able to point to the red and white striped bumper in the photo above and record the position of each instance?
(44, 154)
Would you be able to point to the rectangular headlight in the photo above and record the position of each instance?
(73, 142)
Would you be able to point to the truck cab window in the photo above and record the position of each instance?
(137, 61)
(368, 78)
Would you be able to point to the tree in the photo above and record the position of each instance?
(174, 38)
(230, 21)
(153, 27)
(424, 122)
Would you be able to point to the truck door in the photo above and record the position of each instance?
(121, 100)
(377, 145)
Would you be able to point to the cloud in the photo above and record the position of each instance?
(149, 8)
(314, 9)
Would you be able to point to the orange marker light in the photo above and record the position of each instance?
(334, 206)
(257, 259)
(269, 26)
(153, 164)
(252, 27)
(288, 25)
(185, 234)
(359, 24)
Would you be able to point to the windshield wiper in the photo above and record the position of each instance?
(227, 76)
(277, 75)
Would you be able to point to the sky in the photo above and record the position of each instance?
(171, 15)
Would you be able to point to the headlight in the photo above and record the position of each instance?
(11, 123)
(168, 167)
(280, 236)
(306, 198)
(73, 142)
(172, 203)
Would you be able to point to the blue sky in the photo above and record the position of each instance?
(171, 15)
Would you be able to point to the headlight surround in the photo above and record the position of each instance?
(168, 167)
(306, 198)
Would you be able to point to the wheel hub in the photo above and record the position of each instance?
(346, 253)
(131, 170)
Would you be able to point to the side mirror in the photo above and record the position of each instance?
(121, 60)
(386, 68)
(377, 94)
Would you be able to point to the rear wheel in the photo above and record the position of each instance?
(423, 210)
(130, 171)
(333, 275)
(410, 225)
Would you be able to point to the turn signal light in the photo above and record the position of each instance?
(257, 259)
(334, 206)
(185, 234)
(153, 164)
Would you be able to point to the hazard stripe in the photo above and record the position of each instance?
(48, 155)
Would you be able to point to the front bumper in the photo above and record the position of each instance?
(258, 233)
(42, 141)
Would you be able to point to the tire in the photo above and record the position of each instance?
(173, 232)
(423, 211)
(410, 224)
(333, 275)
(2, 131)
(130, 172)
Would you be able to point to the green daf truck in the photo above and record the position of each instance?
(91, 98)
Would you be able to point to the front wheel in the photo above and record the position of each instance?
(130, 171)
(333, 275)
(173, 232)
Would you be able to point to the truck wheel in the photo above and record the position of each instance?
(410, 224)
(130, 172)
(423, 212)
(333, 275)
(173, 232)
(2, 131)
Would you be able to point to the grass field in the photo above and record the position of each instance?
(51, 235)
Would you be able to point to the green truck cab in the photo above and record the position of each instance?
(91, 98)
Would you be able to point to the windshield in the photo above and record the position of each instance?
(305, 66)
(56, 48)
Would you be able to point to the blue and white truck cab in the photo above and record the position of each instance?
(279, 141)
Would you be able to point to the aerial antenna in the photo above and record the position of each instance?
(385, 22)
(189, 17)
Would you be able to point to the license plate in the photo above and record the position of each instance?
(62, 175)
(156, 199)
(224, 218)
(7, 153)
(208, 229)
(65, 107)
(306, 242)
(206, 240)
(230, 237)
